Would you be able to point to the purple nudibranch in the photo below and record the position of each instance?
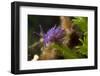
(55, 34)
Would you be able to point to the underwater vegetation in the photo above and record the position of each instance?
(66, 38)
